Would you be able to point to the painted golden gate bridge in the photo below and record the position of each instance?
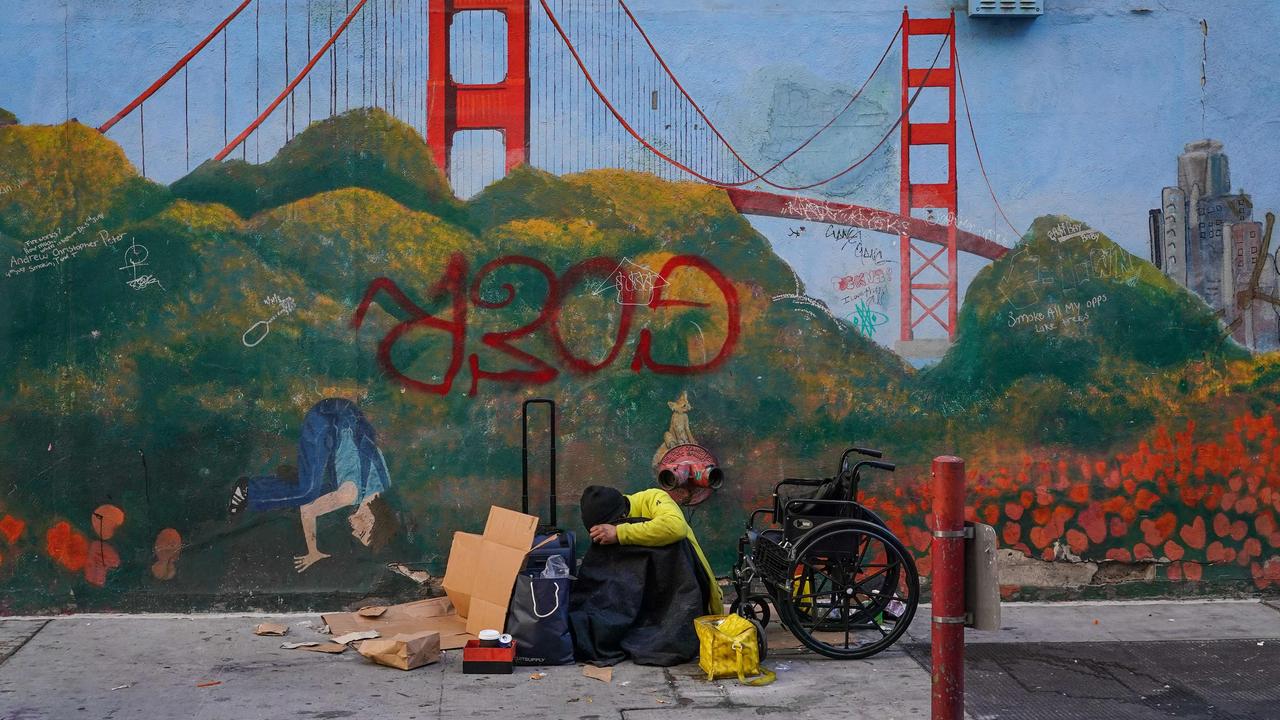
(409, 57)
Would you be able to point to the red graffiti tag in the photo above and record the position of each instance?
(862, 279)
(532, 370)
(449, 286)
(643, 357)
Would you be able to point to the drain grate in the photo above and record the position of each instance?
(1213, 680)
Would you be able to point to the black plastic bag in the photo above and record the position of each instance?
(538, 621)
(631, 601)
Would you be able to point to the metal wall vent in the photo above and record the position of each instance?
(1006, 8)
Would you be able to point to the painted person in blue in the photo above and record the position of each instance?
(339, 465)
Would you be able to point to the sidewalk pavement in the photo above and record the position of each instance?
(1192, 659)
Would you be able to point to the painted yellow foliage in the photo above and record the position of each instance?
(230, 295)
(199, 218)
(650, 205)
(79, 390)
(576, 236)
(58, 176)
(360, 234)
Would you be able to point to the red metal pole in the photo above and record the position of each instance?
(948, 588)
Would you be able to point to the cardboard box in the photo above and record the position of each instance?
(436, 614)
(403, 651)
(478, 660)
(482, 568)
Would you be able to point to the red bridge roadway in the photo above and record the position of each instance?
(755, 202)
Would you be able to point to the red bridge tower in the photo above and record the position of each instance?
(501, 106)
(926, 285)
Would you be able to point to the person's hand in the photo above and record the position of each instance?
(604, 534)
(302, 562)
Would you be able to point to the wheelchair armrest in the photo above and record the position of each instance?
(751, 522)
(800, 482)
(842, 504)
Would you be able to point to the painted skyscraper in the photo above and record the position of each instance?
(1205, 238)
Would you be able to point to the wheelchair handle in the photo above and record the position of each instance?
(855, 477)
(877, 464)
(844, 459)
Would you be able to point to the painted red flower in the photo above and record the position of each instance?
(11, 528)
(67, 546)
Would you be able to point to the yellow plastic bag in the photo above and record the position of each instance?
(727, 646)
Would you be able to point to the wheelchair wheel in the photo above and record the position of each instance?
(853, 590)
(762, 643)
(755, 608)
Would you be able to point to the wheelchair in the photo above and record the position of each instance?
(841, 582)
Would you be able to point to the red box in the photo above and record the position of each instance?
(478, 660)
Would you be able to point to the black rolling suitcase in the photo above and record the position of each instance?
(564, 544)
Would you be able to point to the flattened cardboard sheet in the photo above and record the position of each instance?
(435, 614)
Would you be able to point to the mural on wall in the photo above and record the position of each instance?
(1205, 238)
(204, 326)
(678, 431)
(339, 466)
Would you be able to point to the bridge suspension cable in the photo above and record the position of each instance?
(392, 75)
(978, 151)
(686, 167)
(182, 63)
(756, 174)
(288, 90)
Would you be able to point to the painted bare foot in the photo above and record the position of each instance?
(302, 562)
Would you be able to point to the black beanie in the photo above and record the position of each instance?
(602, 504)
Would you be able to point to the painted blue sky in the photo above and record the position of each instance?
(1081, 111)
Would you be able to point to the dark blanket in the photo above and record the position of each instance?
(638, 603)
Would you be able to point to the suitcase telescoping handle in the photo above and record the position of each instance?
(524, 454)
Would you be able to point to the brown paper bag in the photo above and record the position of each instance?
(404, 651)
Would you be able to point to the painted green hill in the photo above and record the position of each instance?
(1069, 318)
(364, 148)
(67, 190)
(624, 214)
(59, 176)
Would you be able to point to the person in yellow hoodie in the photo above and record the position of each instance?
(649, 518)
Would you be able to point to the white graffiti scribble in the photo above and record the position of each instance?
(634, 283)
(286, 305)
(135, 256)
(1035, 277)
(8, 187)
(814, 211)
(54, 248)
(1056, 316)
(1065, 231)
(950, 218)
(807, 302)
